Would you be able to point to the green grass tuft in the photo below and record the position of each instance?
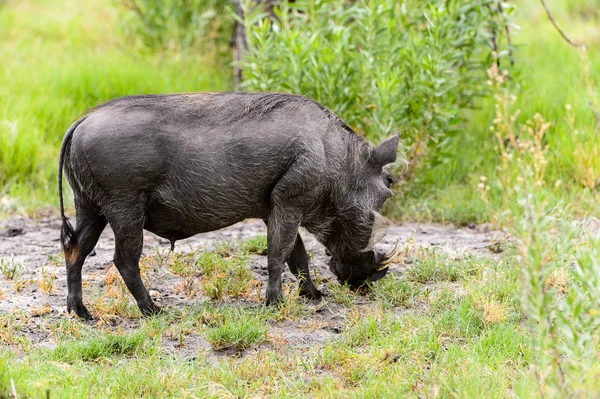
(436, 266)
(101, 346)
(235, 328)
(394, 292)
(256, 245)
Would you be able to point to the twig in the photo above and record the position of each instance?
(239, 44)
(507, 240)
(494, 42)
(581, 46)
(507, 30)
(572, 43)
(14, 389)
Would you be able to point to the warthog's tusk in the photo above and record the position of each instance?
(387, 258)
(383, 267)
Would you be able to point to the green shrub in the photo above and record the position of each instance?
(382, 65)
(178, 24)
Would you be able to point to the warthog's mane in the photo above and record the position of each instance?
(263, 103)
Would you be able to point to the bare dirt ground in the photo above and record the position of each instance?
(34, 245)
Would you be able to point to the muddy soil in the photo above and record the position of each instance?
(34, 245)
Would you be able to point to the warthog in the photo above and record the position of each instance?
(178, 165)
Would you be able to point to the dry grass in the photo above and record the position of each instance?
(114, 300)
(20, 284)
(494, 311)
(41, 310)
(46, 281)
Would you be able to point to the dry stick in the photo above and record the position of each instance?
(507, 240)
(506, 29)
(572, 43)
(239, 44)
(577, 45)
(14, 389)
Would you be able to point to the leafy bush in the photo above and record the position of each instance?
(382, 65)
(178, 24)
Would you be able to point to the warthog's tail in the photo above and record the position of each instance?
(68, 238)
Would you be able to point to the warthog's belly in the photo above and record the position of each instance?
(175, 224)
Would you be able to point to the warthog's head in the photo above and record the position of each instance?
(358, 225)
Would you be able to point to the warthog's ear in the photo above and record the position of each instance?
(385, 153)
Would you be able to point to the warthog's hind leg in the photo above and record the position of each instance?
(90, 224)
(129, 239)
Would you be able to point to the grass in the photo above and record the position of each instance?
(435, 266)
(237, 330)
(447, 332)
(55, 68)
(224, 274)
(256, 245)
(10, 269)
(394, 292)
(46, 281)
(102, 346)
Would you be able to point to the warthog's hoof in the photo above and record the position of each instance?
(79, 309)
(311, 293)
(273, 297)
(150, 309)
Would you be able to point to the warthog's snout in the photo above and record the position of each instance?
(367, 266)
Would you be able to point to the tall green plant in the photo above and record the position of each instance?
(382, 65)
(560, 272)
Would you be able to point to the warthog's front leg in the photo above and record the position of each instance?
(298, 264)
(282, 230)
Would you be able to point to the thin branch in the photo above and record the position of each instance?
(507, 30)
(494, 42)
(572, 43)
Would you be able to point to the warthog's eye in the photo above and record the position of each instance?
(389, 180)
